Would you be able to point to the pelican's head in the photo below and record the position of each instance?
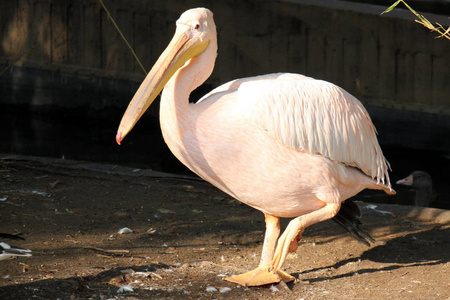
(195, 29)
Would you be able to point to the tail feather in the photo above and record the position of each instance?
(348, 217)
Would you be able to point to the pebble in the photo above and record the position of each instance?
(125, 289)
(165, 211)
(225, 290)
(211, 289)
(124, 230)
(151, 231)
(274, 288)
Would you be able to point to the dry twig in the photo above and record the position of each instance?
(422, 20)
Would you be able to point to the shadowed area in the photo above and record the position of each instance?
(187, 236)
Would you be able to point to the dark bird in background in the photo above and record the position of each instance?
(8, 251)
(423, 184)
(425, 195)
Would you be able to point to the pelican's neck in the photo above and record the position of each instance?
(177, 117)
(194, 73)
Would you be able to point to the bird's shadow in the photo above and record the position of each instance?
(416, 249)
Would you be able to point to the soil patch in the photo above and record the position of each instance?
(187, 236)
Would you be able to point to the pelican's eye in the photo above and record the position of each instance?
(196, 25)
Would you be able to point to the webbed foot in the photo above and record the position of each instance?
(260, 276)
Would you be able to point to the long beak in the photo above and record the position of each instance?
(182, 48)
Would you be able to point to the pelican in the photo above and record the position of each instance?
(285, 144)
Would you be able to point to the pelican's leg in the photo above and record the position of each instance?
(295, 228)
(262, 274)
(270, 239)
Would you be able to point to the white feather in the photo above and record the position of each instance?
(311, 115)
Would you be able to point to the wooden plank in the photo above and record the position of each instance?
(278, 37)
(333, 59)
(91, 36)
(422, 78)
(440, 81)
(141, 42)
(369, 58)
(59, 32)
(9, 22)
(387, 62)
(351, 68)
(123, 55)
(315, 66)
(404, 76)
(74, 34)
(40, 33)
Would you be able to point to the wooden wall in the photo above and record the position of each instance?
(57, 49)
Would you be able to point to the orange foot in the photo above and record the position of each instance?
(260, 276)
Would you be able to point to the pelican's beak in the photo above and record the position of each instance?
(184, 46)
(406, 181)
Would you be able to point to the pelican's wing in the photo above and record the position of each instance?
(314, 116)
(234, 85)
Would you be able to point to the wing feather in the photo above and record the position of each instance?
(313, 116)
(310, 115)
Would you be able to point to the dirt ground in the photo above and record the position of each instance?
(187, 236)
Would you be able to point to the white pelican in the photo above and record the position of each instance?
(286, 144)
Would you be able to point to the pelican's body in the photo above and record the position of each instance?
(220, 140)
(285, 144)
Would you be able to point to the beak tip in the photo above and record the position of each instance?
(119, 138)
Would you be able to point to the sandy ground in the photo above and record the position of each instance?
(187, 236)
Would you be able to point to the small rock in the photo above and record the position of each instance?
(124, 230)
(274, 288)
(125, 289)
(211, 289)
(188, 187)
(225, 290)
(165, 211)
(151, 231)
(121, 215)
